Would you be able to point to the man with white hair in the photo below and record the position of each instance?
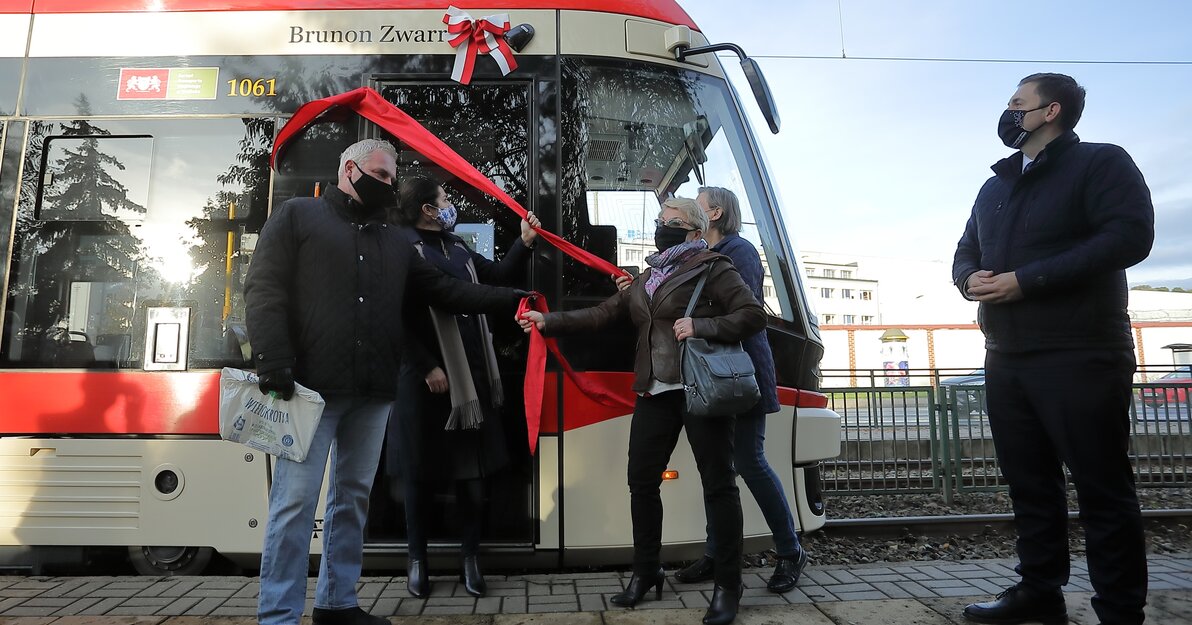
(324, 298)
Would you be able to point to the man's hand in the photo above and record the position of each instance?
(623, 281)
(436, 380)
(529, 319)
(277, 382)
(1002, 288)
(528, 234)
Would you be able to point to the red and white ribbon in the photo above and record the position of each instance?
(471, 37)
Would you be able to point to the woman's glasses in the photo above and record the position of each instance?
(674, 223)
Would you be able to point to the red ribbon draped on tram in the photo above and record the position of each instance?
(370, 105)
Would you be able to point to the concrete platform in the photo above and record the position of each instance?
(911, 593)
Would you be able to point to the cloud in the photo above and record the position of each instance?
(1170, 257)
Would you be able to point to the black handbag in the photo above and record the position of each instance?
(718, 378)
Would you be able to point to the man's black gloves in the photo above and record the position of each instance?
(280, 381)
(520, 294)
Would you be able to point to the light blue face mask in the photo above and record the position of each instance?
(447, 216)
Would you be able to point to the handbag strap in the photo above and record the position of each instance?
(699, 287)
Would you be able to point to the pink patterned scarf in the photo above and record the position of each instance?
(665, 262)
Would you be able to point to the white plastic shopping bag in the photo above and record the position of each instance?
(269, 424)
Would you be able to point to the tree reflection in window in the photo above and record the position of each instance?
(89, 259)
(488, 125)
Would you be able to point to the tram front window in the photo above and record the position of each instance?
(637, 134)
(119, 216)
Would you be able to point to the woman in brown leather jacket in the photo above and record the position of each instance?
(655, 302)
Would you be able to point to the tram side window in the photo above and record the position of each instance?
(116, 217)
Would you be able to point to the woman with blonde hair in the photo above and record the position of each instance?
(723, 234)
(656, 302)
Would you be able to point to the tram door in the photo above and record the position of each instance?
(489, 126)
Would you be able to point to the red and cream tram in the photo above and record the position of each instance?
(134, 177)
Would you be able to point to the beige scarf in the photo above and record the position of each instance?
(466, 411)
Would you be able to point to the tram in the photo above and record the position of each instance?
(134, 179)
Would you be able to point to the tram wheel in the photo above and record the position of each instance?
(165, 561)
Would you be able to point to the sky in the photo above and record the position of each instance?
(885, 157)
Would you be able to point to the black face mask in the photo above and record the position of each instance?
(373, 193)
(666, 237)
(1009, 127)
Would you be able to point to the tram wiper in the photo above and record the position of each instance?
(678, 40)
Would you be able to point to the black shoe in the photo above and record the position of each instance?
(418, 579)
(787, 573)
(699, 571)
(1020, 604)
(472, 578)
(723, 608)
(347, 616)
(638, 586)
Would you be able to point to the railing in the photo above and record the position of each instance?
(936, 438)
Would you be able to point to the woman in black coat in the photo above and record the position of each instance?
(445, 425)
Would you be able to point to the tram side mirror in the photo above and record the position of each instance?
(678, 40)
(519, 36)
(761, 93)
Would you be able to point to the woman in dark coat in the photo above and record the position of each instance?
(445, 424)
(724, 226)
(655, 302)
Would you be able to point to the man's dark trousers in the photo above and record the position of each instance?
(1071, 407)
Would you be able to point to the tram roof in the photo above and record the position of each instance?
(661, 10)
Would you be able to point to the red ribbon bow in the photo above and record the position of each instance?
(370, 105)
(485, 35)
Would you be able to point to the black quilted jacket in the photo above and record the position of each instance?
(324, 295)
(1068, 228)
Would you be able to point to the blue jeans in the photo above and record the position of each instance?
(351, 430)
(750, 458)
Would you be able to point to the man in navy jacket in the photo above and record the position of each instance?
(1045, 253)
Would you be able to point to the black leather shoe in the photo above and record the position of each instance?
(637, 588)
(787, 573)
(1020, 604)
(723, 608)
(472, 578)
(347, 616)
(418, 579)
(699, 571)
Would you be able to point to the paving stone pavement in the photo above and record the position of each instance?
(911, 593)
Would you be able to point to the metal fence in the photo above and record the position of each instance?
(935, 438)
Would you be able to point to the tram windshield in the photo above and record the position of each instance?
(637, 134)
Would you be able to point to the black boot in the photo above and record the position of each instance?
(637, 588)
(472, 578)
(787, 572)
(696, 572)
(725, 601)
(347, 616)
(1020, 604)
(418, 578)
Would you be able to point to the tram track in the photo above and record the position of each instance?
(965, 524)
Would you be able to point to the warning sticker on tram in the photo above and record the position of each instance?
(168, 83)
